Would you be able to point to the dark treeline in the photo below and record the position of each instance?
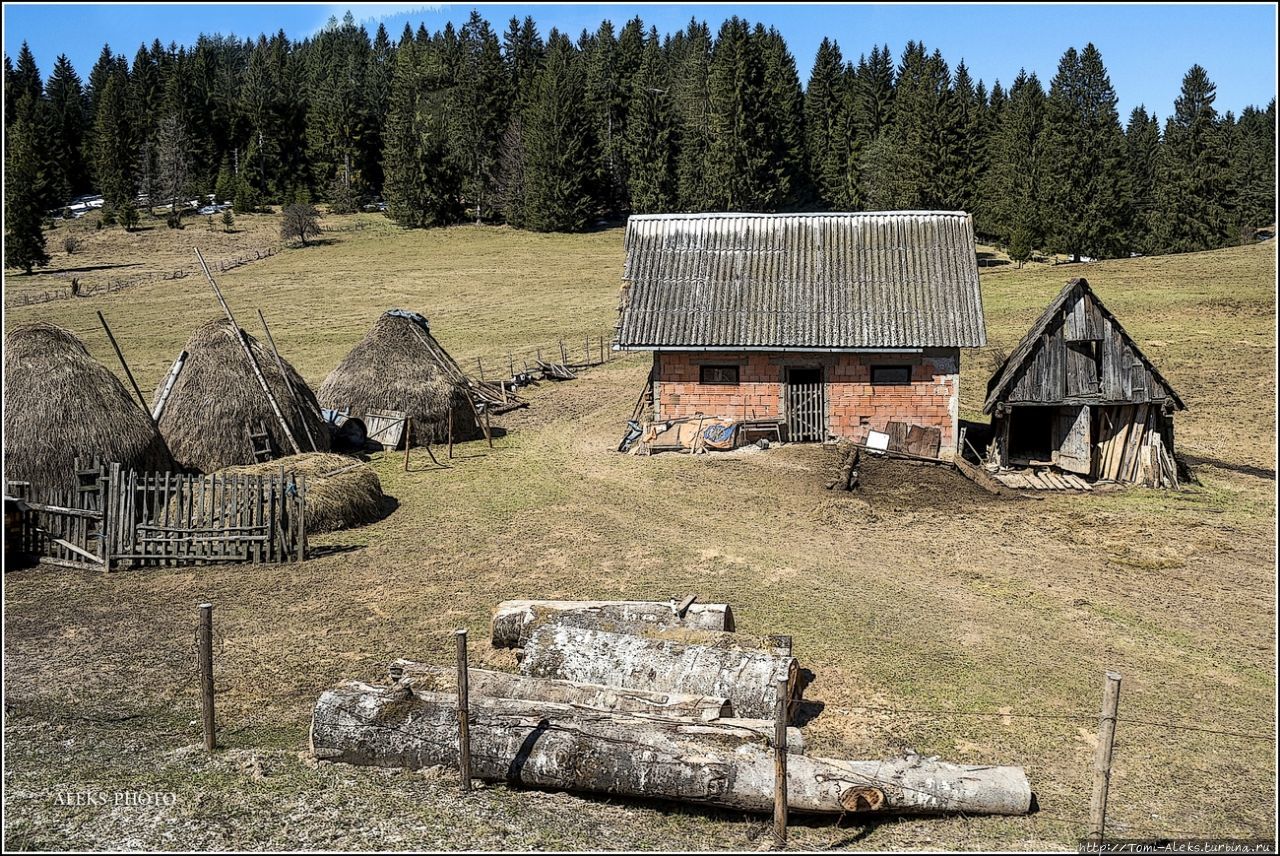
(556, 134)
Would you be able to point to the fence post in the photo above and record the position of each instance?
(464, 715)
(1102, 757)
(408, 427)
(204, 637)
(780, 765)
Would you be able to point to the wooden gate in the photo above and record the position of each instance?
(60, 526)
(129, 519)
(806, 406)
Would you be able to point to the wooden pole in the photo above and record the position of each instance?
(408, 427)
(450, 432)
(780, 766)
(125, 365)
(464, 716)
(488, 432)
(297, 399)
(204, 636)
(480, 368)
(248, 352)
(1102, 757)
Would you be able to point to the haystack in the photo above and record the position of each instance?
(399, 365)
(217, 402)
(62, 404)
(342, 492)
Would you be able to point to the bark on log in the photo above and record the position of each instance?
(746, 677)
(482, 682)
(569, 748)
(514, 621)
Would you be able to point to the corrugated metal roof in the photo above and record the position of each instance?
(898, 279)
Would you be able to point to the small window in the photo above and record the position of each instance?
(722, 375)
(890, 375)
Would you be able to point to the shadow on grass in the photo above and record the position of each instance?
(89, 268)
(1243, 469)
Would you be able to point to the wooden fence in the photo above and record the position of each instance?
(123, 518)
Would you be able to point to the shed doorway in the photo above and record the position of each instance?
(806, 406)
(1031, 435)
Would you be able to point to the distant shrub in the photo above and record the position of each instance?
(71, 244)
(301, 221)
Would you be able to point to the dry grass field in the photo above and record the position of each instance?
(933, 616)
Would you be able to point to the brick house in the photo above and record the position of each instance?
(832, 324)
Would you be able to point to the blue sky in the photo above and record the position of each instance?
(1147, 47)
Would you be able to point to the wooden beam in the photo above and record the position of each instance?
(248, 352)
(293, 390)
(120, 356)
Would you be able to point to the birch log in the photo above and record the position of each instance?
(568, 748)
(482, 682)
(514, 621)
(746, 677)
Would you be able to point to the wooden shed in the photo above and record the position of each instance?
(1077, 394)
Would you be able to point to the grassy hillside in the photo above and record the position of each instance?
(933, 616)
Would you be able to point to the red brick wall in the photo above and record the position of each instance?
(854, 406)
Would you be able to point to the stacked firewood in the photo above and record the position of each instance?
(641, 698)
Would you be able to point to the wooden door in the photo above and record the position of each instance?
(1074, 449)
(806, 406)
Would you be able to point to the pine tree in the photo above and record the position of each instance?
(1083, 186)
(1142, 143)
(557, 142)
(650, 136)
(422, 185)
(1009, 197)
(173, 178)
(1192, 173)
(24, 190)
(782, 180)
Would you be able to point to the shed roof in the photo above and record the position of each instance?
(1001, 381)
(897, 279)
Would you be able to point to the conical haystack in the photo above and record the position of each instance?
(61, 404)
(217, 402)
(399, 365)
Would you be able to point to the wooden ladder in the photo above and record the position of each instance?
(260, 444)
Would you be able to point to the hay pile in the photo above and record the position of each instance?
(397, 366)
(342, 492)
(60, 404)
(216, 400)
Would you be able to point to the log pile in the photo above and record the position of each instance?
(514, 621)
(648, 699)
(846, 477)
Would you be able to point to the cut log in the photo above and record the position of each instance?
(514, 621)
(482, 682)
(747, 677)
(569, 748)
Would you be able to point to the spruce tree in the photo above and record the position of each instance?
(1009, 197)
(1255, 166)
(1192, 173)
(478, 115)
(69, 175)
(422, 185)
(781, 179)
(690, 61)
(1083, 186)
(649, 147)
(113, 152)
(1142, 143)
(826, 121)
(557, 142)
(24, 190)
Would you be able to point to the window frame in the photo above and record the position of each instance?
(891, 367)
(702, 374)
